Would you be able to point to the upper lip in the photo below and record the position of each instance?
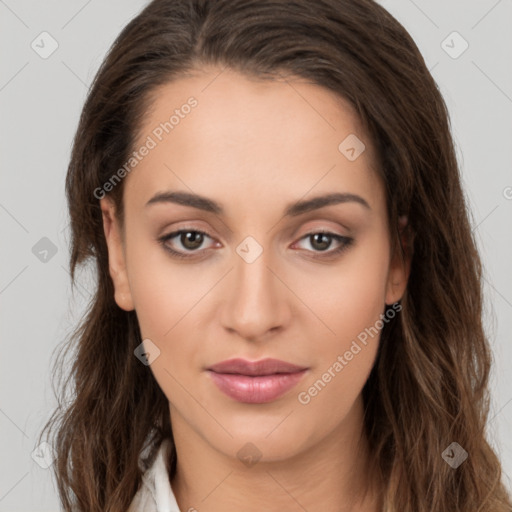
(262, 367)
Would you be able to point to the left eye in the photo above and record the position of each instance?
(322, 240)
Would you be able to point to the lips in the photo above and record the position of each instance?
(255, 381)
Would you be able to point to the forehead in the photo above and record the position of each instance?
(223, 134)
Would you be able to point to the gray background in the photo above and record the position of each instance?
(41, 100)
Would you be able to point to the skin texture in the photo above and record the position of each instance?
(255, 147)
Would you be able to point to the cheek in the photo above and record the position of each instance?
(164, 293)
(351, 304)
(166, 308)
(169, 300)
(342, 362)
(350, 297)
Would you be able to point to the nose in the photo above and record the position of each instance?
(257, 299)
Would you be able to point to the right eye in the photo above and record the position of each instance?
(189, 239)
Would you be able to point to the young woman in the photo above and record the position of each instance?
(288, 311)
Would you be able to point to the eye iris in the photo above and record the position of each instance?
(191, 239)
(323, 240)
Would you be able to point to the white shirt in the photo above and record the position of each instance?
(155, 494)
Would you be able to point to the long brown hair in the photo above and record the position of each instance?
(429, 385)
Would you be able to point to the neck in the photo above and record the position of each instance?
(332, 475)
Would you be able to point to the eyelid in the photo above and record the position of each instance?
(343, 243)
(175, 232)
(183, 254)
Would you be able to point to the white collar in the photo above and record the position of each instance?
(155, 493)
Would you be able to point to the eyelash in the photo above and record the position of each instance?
(345, 242)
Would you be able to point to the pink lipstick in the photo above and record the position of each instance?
(255, 382)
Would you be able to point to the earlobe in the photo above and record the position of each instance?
(116, 258)
(400, 266)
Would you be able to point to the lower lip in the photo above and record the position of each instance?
(256, 390)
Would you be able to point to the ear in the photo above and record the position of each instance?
(399, 267)
(116, 256)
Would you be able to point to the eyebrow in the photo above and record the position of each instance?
(292, 210)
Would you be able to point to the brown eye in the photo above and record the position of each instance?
(321, 241)
(187, 242)
(191, 239)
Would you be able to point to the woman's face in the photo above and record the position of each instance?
(256, 279)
